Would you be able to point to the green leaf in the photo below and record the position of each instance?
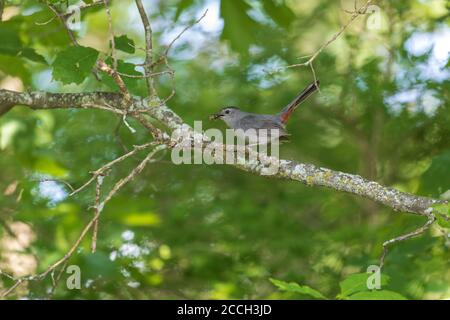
(74, 64)
(32, 55)
(358, 282)
(377, 295)
(15, 66)
(296, 288)
(238, 28)
(442, 209)
(183, 5)
(10, 41)
(124, 44)
(11, 44)
(279, 12)
(38, 34)
(98, 264)
(51, 167)
(433, 181)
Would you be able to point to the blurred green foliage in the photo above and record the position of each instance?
(197, 231)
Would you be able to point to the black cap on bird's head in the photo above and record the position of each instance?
(225, 111)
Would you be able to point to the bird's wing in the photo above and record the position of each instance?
(260, 122)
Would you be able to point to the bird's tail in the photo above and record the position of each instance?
(287, 111)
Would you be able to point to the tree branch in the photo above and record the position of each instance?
(47, 100)
(306, 173)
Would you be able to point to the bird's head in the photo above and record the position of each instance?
(226, 113)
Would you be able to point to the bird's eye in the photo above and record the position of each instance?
(227, 111)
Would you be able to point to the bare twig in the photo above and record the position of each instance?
(64, 23)
(45, 22)
(172, 78)
(56, 280)
(132, 175)
(353, 17)
(111, 33)
(156, 133)
(155, 74)
(149, 48)
(183, 31)
(55, 180)
(97, 205)
(138, 169)
(409, 235)
(104, 106)
(109, 165)
(117, 79)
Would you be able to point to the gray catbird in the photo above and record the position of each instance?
(238, 119)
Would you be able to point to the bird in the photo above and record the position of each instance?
(235, 118)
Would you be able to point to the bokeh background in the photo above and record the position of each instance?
(214, 232)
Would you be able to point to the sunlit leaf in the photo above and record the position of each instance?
(50, 166)
(442, 211)
(141, 219)
(358, 282)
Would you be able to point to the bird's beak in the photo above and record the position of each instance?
(215, 116)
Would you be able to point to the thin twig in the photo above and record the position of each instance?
(110, 164)
(144, 76)
(138, 169)
(104, 107)
(64, 23)
(55, 180)
(45, 22)
(172, 77)
(149, 48)
(132, 175)
(117, 79)
(409, 235)
(355, 15)
(97, 205)
(56, 280)
(183, 31)
(111, 33)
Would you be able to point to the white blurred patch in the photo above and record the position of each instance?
(268, 74)
(133, 284)
(130, 250)
(113, 255)
(416, 100)
(52, 191)
(128, 235)
(438, 44)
